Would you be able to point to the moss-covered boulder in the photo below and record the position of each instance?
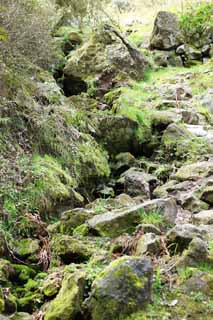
(7, 272)
(70, 220)
(27, 248)
(114, 223)
(21, 316)
(106, 58)
(122, 288)
(116, 133)
(23, 273)
(69, 249)
(52, 284)
(67, 304)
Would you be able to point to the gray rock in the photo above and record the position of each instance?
(203, 217)
(196, 253)
(175, 92)
(167, 58)
(195, 171)
(117, 222)
(138, 183)
(148, 244)
(116, 133)
(179, 237)
(123, 288)
(166, 34)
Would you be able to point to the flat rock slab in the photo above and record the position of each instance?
(114, 223)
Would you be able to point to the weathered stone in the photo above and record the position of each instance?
(116, 133)
(138, 183)
(165, 59)
(27, 247)
(148, 244)
(189, 53)
(166, 207)
(175, 92)
(196, 253)
(103, 58)
(70, 249)
(67, 304)
(203, 217)
(166, 34)
(115, 223)
(195, 171)
(180, 236)
(52, 284)
(123, 288)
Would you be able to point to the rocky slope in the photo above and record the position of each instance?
(107, 181)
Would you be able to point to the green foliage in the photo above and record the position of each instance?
(196, 20)
(27, 26)
(154, 217)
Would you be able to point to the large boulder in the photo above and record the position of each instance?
(116, 133)
(69, 249)
(123, 288)
(67, 304)
(105, 57)
(166, 34)
(114, 223)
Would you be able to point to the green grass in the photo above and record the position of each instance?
(155, 218)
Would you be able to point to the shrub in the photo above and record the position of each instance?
(196, 20)
(28, 26)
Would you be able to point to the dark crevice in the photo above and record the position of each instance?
(73, 85)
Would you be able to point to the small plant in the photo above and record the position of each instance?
(154, 217)
(100, 206)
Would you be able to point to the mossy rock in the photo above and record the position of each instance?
(21, 316)
(122, 288)
(7, 272)
(67, 305)
(27, 247)
(70, 220)
(195, 171)
(70, 249)
(23, 273)
(30, 302)
(108, 57)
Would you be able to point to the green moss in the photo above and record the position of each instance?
(24, 273)
(68, 302)
(81, 230)
(2, 303)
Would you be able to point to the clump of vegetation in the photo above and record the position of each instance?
(154, 217)
(26, 27)
(196, 20)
